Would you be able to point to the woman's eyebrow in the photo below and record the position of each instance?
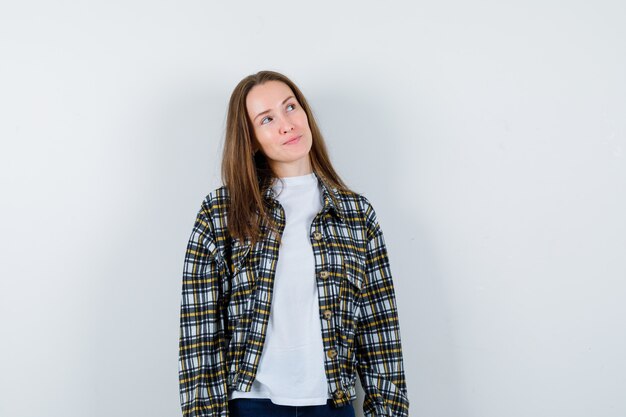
(267, 111)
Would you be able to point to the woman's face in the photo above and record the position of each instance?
(281, 128)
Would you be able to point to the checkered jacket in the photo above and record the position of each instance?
(227, 291)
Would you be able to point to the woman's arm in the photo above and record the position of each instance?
(379, 351)
(201, 367)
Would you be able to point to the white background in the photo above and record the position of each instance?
(489, 135)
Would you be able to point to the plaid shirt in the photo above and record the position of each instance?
(227, 292)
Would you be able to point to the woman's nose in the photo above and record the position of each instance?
(286, 126)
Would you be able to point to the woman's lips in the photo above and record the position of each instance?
(293, 141)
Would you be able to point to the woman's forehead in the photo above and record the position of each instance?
(269, 91)
(267, 96)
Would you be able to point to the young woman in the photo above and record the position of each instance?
(287, 289)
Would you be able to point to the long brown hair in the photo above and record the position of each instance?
(246, 175)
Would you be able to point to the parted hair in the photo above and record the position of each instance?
(247, 174)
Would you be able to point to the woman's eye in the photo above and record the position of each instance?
(265, 119)
(291, 105)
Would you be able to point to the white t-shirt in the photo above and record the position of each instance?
(291, 368)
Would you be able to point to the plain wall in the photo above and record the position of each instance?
(489, 135)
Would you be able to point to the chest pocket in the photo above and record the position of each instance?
(353, 272)
(350, 289)
(239, 257)
(242, 281)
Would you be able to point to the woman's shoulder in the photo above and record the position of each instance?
(215, 199)
(213, 211)
(219, 193)
(355, 201)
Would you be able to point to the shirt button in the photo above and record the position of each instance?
(317, 235)
(327, 314)
(324, 274)
(331, 353)
(338, 394)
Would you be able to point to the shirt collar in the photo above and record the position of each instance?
(330, 197)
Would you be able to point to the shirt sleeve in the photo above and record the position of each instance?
(202, 380)
(378, 344)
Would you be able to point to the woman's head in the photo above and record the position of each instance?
(280, 128)
(266, 110)
(251, 140)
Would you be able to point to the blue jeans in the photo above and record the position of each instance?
(264, 407)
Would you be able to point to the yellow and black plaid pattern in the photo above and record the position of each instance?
(227, 290)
